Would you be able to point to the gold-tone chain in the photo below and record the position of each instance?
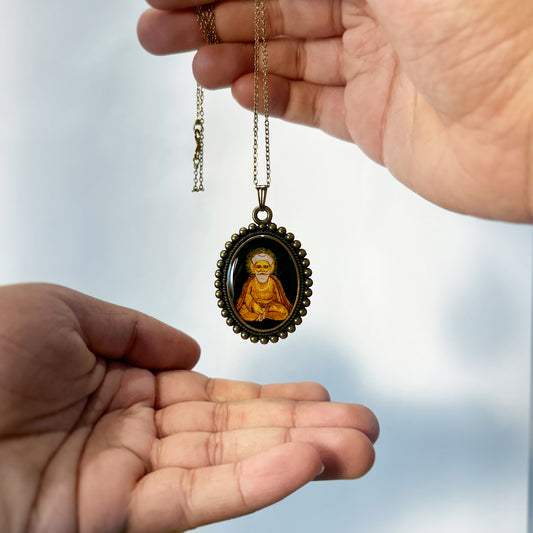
(198, 159)
(260, 75)
(206, 19)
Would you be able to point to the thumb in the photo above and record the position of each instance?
(121, 333)
(176, 498)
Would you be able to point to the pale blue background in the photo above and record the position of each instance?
(421, 314)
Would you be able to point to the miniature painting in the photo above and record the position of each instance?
(262, 295)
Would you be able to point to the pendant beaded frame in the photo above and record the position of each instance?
(294, 274)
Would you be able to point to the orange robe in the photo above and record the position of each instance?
(270, 298)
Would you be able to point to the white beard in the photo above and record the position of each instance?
(262, 278)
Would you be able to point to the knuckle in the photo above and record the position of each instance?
(300, 59)
(220, 417)
(239, 477)
(188, 487)
(214, 449)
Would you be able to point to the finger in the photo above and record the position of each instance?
(176, 4)
(162, 32)
(345, 453)
(176, 498)
(121, 333)
(181, 386)
(177, 30)
(300, 102)
(247, 414)
(315, 61)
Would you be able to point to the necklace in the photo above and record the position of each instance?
(262, 251)
(205, 15)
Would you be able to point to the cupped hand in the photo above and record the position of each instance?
(439, 91)
(104, 427)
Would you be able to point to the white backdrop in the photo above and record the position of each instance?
(421, 314)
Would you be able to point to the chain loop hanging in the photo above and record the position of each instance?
(261, 78)
(206, 19)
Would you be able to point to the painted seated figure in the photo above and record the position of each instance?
(262, 295)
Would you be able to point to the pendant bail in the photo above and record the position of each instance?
(261, 195)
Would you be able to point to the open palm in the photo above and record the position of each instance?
(438, 91)
(103, 427)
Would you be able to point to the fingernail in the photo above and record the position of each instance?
(321, 471)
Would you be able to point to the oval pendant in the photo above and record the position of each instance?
(263, 281)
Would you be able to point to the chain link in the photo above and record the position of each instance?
(205, 15)
(206, 19)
